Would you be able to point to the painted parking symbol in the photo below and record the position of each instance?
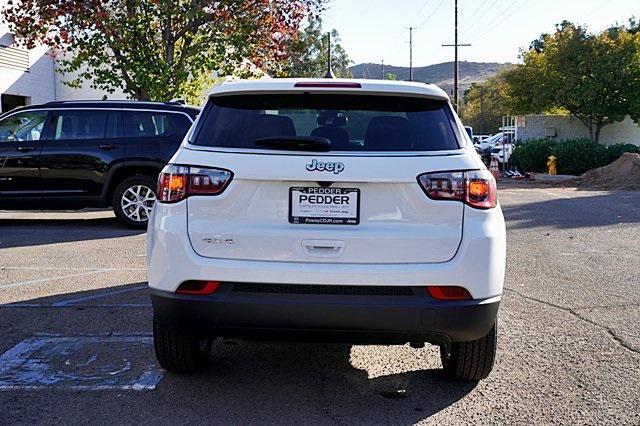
(81, 363)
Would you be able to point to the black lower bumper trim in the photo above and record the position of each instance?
(357, 319)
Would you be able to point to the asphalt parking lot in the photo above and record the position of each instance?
(75, 345)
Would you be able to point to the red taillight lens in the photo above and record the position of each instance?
(207, 181)
(443, 186)
(448, 292)
(198, 287)
(477, 188)
(178, 182)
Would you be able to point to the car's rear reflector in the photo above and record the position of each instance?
(328, 84)
(198, 287)
(448, 292)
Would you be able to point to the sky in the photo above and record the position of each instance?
(376, 30)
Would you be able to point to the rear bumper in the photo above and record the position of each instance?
(377, 319)
(478, 266)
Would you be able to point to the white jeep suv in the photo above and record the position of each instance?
(327, 210)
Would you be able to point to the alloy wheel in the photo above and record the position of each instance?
(137, 202)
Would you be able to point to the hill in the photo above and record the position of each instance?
(439, 74)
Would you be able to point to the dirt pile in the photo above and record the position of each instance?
(624, 173)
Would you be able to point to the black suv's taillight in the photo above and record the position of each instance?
(176, 183)
(477, 188)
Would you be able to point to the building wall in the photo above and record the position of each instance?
(563, 127)
(38, 83)
(41, 83)
(66, 93)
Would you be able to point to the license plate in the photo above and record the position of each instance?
(330, 206)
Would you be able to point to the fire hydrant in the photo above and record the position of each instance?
(552, 165)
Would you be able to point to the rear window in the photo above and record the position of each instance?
(349, 122)
(79, 124)
(143, 124)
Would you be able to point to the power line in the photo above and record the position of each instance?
(598, 8)
(417, 14)
(490, 26)
(433, 11)
(468, 27)
(470, 17)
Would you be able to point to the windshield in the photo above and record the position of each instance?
(348, 122)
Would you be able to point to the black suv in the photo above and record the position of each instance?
(69, 155)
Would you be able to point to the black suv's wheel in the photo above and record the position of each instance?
(133, 200)
(179, 352)
(470, 360)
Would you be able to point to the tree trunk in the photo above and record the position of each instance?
(141, 94)
(167, 35)
(594, 126)
(591, 135)
(596, 136)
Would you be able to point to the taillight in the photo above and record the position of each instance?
(477, 188)
(448, 292)
(172, 184)
(481, 190)
(198, 287)
(178, 182)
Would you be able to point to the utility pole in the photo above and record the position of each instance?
(455, 45)
(411, 52)
(484, 131)
(382, 70)
(329, 73)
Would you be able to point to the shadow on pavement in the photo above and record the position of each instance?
(33, 232)
(316, 380)
(575, 212)
(244, 383)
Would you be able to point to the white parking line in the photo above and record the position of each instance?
(38, 268)
(41, 280)
(113, 305)
(68, 302)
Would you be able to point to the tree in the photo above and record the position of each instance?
(596, 78)
(308, 53)
(484, 104)
(160, 49)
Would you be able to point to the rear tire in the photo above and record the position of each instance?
(470, 360)
(180, 352)
(133, 200)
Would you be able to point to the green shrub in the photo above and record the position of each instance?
(532, 156)
(574, 156)
(615, 151)
(577, 156)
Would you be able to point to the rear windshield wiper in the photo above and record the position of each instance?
(297, 143)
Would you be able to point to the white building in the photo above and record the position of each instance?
(29, 76)
(568, 127)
